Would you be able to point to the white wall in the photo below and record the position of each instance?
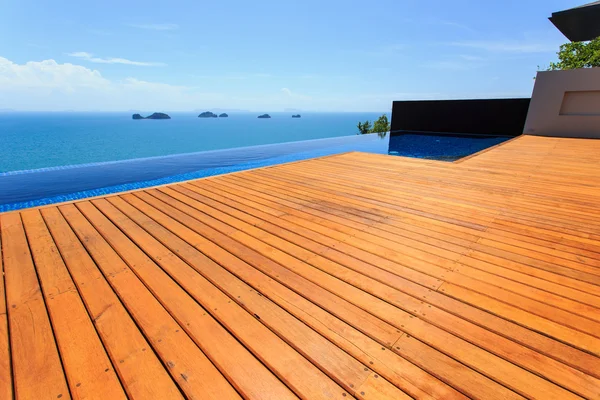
(565, 104)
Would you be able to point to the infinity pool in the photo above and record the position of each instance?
(31, 188)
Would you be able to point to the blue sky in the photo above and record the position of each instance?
(266, 55)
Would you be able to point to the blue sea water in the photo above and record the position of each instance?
(39, 140)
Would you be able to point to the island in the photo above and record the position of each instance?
(153, 116)
(224, 115)
(207, 114)
(264, 116)
(296, 116)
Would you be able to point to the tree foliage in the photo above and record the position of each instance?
(578, 55)
(381, 126)
(364, 127)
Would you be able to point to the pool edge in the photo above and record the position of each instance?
(58, 204)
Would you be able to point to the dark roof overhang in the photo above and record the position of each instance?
(580, 23)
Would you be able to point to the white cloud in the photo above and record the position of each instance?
(507, 46)
(156, 27)
(112, 60)
(48, 74)
(48, 85)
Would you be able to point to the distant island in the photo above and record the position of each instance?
(296, 116)
(264, 116)
(207, 114)
(153, 116)
(224, 115)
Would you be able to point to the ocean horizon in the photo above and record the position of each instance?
(33, 140)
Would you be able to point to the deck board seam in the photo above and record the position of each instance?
(122, 304)
(43, 296)
(294, 347)
(473, 344)
(154, 294)
(326, 289)
(342, 240)
(11, 379)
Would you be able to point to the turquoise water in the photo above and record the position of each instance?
(40, 140)
(22, 189)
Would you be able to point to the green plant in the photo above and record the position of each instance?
(578, 55)
(381, 126)
(364, 127)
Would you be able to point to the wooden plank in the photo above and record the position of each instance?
(381, 309)
(258, 190)
(374, 327)
(339, 202)
(382, 207)
(339, 251)
(230, 262)
(81, 350)
(389, 198)
(6, 385)
(252, 379)
(381, 361)
(442, 197)
(141, 372)
(442, 188)
(585, 312)
(439, 189)
(37, 369)
(521, 335)
(335, 222)
(186, 363)
(530, 282)
(328, 357)
(290, 366)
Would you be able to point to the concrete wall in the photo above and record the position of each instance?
(565, 104)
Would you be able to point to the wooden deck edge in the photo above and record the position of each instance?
(460, 160)
(62, 203)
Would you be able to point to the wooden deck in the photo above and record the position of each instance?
(355, 275)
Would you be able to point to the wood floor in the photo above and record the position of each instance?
(355, 275)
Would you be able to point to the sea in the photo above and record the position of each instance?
(40, 140)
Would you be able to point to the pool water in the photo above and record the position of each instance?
(31, 188)
(441, 146)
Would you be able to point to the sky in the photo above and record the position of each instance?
(269, 55)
